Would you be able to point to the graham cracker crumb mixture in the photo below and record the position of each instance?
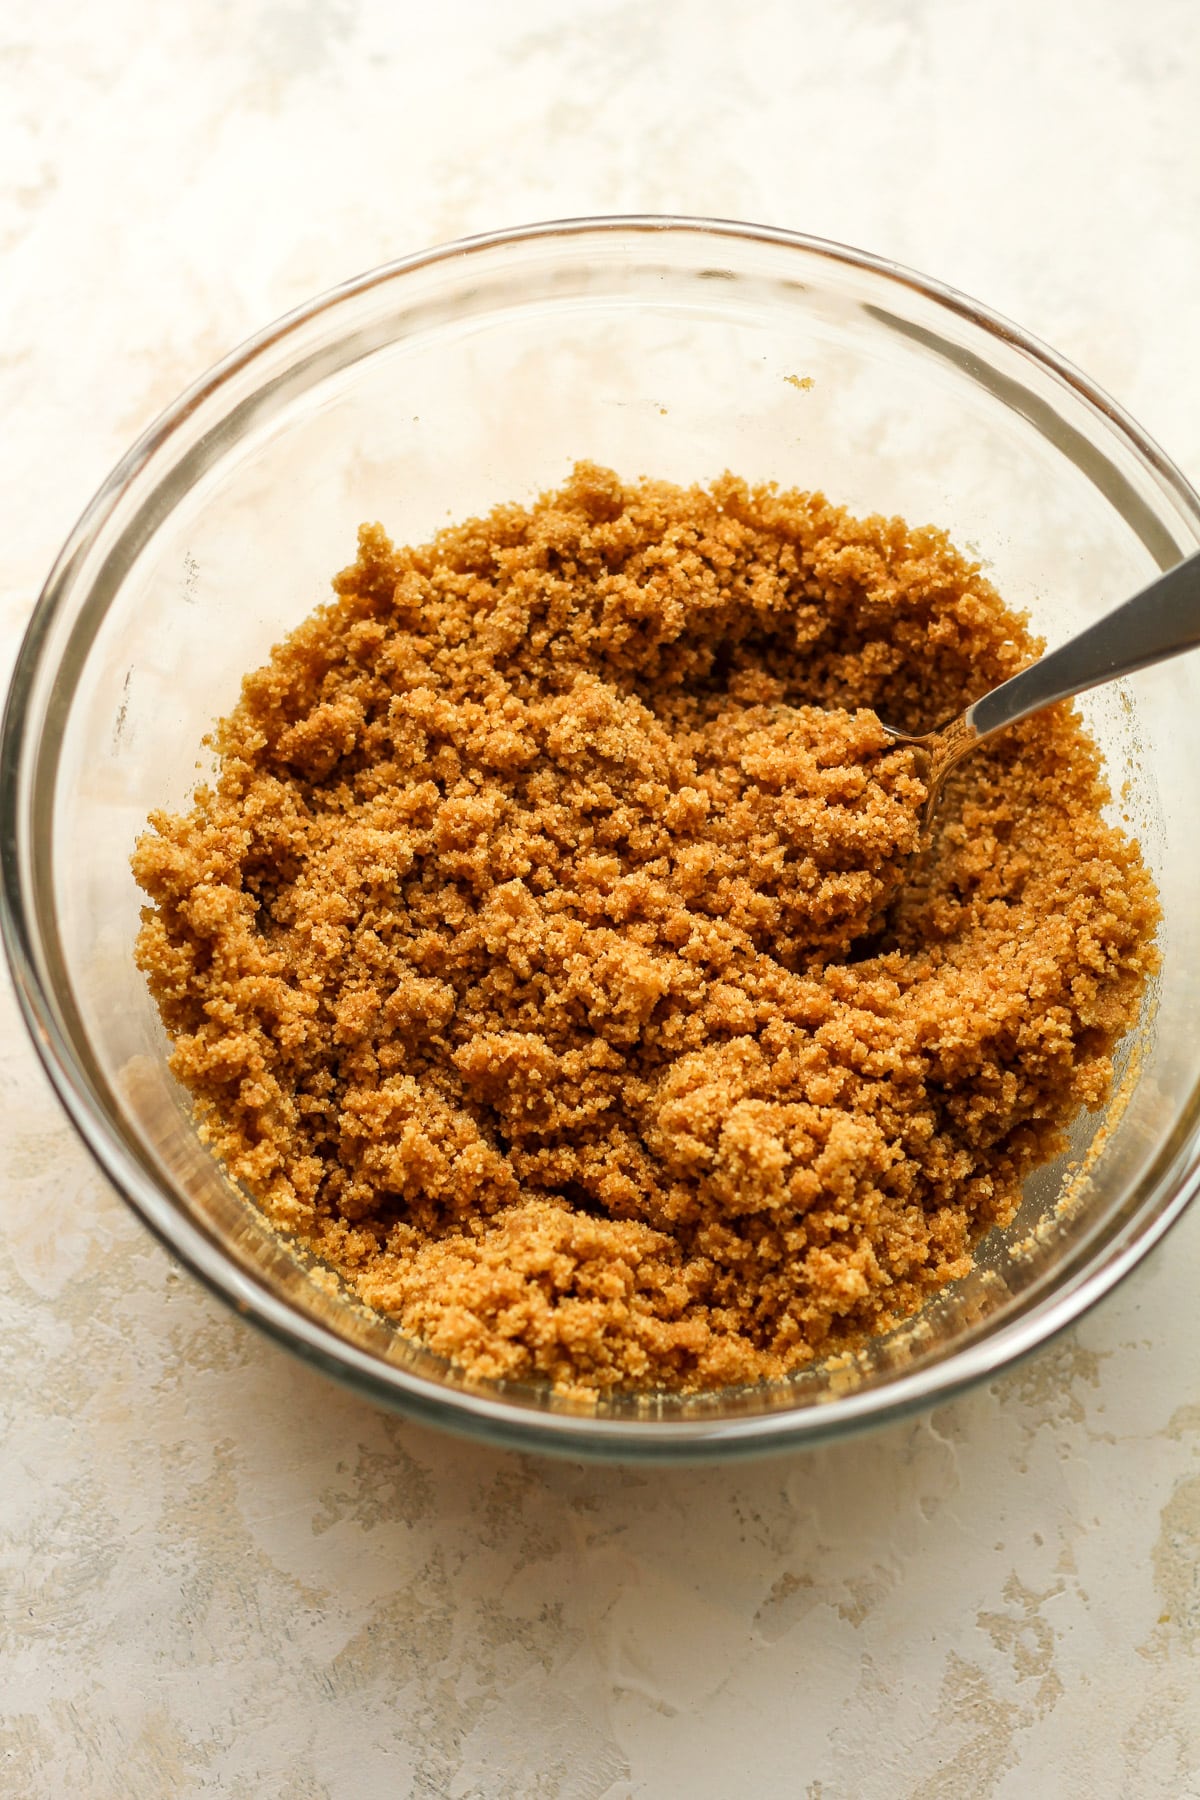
(520, 961)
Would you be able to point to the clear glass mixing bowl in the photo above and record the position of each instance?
(429, 390)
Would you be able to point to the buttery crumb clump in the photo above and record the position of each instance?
(530, 958)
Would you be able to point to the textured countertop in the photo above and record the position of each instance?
(220, 1574)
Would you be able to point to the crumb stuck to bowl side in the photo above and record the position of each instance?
(518, 961)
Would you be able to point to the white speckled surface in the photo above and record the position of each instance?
(221, 1575)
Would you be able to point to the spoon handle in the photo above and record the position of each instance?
(1161, 621)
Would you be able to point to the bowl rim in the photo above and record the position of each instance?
(478, 1412)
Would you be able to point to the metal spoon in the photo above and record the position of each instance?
(1160, 622)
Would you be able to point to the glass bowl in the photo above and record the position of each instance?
(429, 390)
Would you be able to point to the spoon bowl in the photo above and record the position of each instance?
(1161, 621)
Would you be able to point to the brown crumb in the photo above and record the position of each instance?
(516, 960)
